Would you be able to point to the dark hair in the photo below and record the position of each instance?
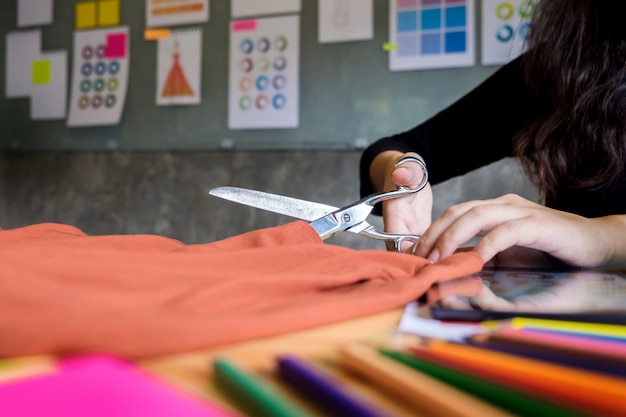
(576, 65)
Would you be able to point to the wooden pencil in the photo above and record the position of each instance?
(425, 393)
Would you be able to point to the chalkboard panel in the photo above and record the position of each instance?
(348, 97)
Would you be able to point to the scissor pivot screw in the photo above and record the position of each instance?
(346, 217)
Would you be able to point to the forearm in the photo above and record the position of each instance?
(614, 235)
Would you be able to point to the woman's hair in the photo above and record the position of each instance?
(576, 65)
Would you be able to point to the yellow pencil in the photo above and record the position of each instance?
(426, 394)
(598, 329)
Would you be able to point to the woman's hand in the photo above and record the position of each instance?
(406, 215)
(512, 221)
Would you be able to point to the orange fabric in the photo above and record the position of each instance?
(62, 291)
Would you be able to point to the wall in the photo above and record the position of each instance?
(166, 192)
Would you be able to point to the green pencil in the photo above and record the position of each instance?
(507, 399)
(253, 395)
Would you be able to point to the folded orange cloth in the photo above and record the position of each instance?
(62, 291)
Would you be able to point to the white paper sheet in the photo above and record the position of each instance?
(34, 12)
(48, 101)
(22, 48)
(176, 12)
(414, 323)
(99, 76)
(504, 26)
(179, 68)
(345, 20)
(264, 73)
(247, 8)
(431, 34)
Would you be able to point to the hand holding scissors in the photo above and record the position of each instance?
(328, 220)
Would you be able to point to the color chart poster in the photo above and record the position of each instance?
(40, 76)
(99, 76)
(179, 68)
(504, 26)
(264, 73)
(161, 13)
(431, 34)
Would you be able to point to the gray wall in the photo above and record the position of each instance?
(165, 193)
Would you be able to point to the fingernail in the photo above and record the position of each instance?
(434, 256)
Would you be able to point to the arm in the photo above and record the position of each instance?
(511, 221)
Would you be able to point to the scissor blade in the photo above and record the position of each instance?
(288, 206)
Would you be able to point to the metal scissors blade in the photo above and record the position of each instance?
(280, 204)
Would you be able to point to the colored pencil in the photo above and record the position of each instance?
(509, 399)
(551, 354)
(600, 329)
(326, 392)
(252, 395)
(578, 388)
(424, 393)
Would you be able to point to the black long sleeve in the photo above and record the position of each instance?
(477, 130)
(472, 132)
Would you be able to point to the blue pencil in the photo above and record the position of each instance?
(328, 393)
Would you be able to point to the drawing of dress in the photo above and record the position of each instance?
(176, 84)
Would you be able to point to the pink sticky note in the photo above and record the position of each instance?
(100, 386)
(244, 25)
(116, 45)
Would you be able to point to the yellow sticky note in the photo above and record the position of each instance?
(85, 14)
(40, 72)
(390, 46)
(109, 13)
(156, 34)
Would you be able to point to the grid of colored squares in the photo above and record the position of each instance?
(431, 27)
(91, 14)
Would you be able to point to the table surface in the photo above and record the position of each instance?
(192, 372)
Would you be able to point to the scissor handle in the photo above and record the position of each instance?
(374, 199)
(396, 238)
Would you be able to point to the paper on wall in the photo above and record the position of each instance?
(345, 20)
(247, 8)
(99, 76)
(176, 12)
(34, 12)
(179, 68)
(504, 26)
(42, 77)
(264, 73)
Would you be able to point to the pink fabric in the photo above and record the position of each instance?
(62, 291)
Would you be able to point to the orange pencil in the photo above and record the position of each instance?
(425, 393)
(585, 390)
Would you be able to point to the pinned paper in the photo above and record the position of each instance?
(264, 74)
(245, 8)
(85, 15)
(41, 72)
(116, 45)
(156, 34)
(179, 68)
(161, 13)
(504, 26)
(42, 77)
(109, 13)
(34, 12)
(431, 34)
(345, 20)
(99, 76)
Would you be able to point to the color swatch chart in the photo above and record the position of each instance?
(264, 69)
(431, 34)
(100, 76)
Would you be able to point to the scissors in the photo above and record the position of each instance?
(327, 220)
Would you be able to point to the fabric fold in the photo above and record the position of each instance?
(62, 291)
